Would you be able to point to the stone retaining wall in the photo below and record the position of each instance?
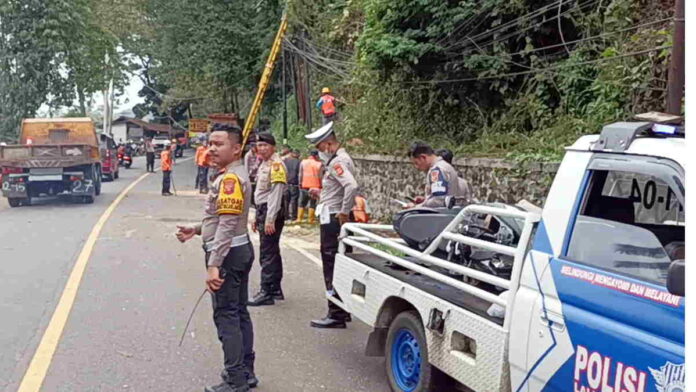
(384, 178)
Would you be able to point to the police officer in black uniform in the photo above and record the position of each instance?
(336, 197)
(229, 256)
(271, 183)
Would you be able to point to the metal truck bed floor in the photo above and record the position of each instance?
(427, 284)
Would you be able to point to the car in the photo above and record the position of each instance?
(160, 143)
(107, 148)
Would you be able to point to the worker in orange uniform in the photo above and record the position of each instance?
(361, 210)
(327, 105)
(201, 162)
(310, 174)
(166, 166)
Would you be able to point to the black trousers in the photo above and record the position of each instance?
(232, 320)
(328, 237)
(166, 181)
(150, 158)
(202, 178)
(292, 195)
(269, 257)
(306, 200)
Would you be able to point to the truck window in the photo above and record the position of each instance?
(631, 224)
(58, 136)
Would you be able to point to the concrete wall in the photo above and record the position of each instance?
(383, 178)
(119, 132)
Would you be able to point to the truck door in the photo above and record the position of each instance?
(626, 330)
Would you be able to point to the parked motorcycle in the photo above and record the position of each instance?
(418, 227)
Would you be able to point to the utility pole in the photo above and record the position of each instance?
(310, 107)
(285, 105)
(675, 81)
(293, 81)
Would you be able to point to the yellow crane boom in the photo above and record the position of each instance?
(265, 79)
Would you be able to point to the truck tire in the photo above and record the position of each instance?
(116, 173)
(408, 369)
(97, 180)
(19, 201)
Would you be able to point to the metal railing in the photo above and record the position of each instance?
(363, 235)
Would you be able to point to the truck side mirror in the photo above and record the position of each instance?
(675, 278)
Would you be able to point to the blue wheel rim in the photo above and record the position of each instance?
(405, 360)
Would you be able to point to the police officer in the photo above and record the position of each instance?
(336, 197)
(463, 189)
(441, 180)
(271, 182)
(229, 256)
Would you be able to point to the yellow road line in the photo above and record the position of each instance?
(35, 374)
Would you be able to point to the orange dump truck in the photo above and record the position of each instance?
(54, 157)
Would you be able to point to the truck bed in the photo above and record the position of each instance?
(427, 284)
(44, 156)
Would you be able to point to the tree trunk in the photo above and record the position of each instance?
(81, 100)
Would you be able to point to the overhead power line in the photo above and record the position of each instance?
(537, 70)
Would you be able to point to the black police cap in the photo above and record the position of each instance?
(266, 138)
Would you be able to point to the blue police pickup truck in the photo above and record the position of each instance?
(583, 295)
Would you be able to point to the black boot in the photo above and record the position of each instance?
(261, 299)
(278, 294)
(252, 380)
(328, 322)
(225, 387)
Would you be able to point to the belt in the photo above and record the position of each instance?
(236, 241)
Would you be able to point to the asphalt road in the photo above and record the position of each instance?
(137, 291)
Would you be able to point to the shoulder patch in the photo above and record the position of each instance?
(338, 168)
(231, 196)
(438, 183)
(278, 173)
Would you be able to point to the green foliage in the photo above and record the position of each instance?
(495, 78)
(208, 53)
(51, 51)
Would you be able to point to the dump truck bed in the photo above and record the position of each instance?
(23, 156)
(53, 142)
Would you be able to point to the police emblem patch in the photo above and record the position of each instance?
(669, 378)
(434, 175)
(278, 173)
(228, 185)
(230, 198)
(338, 169)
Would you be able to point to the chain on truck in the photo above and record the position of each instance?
(584, 295)
(54, 157)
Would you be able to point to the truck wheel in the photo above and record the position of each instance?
(408, 369)
(14, 201)
(97, 181)
(86, 199)
(97, 187)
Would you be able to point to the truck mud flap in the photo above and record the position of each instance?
(14, 188)
(82, 187)
(376, 342)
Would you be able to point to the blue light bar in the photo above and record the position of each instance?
(664, 129)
